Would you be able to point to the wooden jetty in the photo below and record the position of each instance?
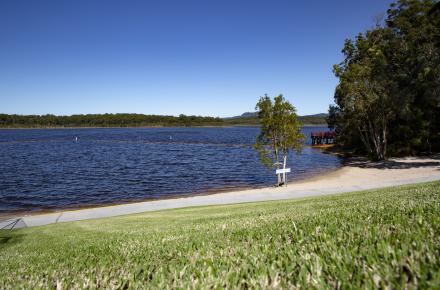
(322, 137)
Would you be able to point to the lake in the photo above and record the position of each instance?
(47, 169)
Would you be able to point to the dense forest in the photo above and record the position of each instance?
(387, 102)
(104, 120)
(131, 120)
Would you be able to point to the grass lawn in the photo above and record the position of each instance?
(378, 238)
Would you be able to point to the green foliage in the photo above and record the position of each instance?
(388, 97)
(365, 89)
(104, 120)
(280, 130)
(386, 238)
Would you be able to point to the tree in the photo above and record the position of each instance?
(416, 25)
(280, 133)
(387, 101)
(365, 89)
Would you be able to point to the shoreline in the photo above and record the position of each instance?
(357, 175)
(21, 213)
(145, 127)
(208, 192)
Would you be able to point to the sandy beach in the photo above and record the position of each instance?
(356, 174)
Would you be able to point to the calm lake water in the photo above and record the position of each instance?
(50, 169)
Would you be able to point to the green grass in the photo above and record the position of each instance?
(380, 238)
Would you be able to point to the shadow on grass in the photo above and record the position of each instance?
(362, 162)
(9, 238)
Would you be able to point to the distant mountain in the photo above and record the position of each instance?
(250, 118)
(319, 115)
(244, 115)
(315, 119)
(248, 114)
(254, 114)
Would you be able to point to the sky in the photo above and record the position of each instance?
(194, 57)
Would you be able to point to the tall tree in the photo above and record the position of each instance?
(388, 96)
(365, 88)
(280, 132)
(416, 25)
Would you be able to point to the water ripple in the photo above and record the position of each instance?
(48, 169)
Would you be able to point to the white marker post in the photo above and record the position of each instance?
(283, 171)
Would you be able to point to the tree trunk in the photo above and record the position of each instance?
(377, 134)
(384, 138)
(277, 166)
(284, 173)
(365, 140)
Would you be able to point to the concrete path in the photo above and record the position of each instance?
(354, 177)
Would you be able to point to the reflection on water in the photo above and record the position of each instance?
(65, 168)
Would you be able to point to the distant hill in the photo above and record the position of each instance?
(248, 114)
(320, 115)
(250, 118)
(244, 115)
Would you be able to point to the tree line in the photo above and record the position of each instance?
(131, 120)
(104, 120)
(387, 102)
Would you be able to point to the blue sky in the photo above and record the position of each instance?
(169, 57)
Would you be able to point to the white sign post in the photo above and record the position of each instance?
(283, 171)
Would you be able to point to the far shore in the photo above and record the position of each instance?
(140, 127)
(357, 174)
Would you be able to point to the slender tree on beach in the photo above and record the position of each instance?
(280, 133)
